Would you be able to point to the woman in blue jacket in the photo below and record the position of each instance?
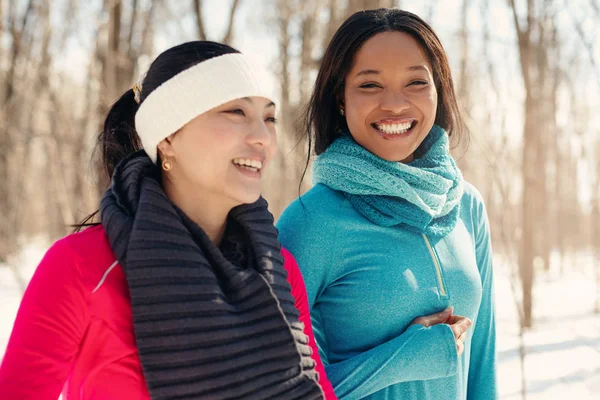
(393, 244)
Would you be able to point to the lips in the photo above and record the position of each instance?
(248, 163)
(394, 126)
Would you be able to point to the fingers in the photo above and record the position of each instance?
(460, 325)
(460, 348)
(460, 343)
(434, 319)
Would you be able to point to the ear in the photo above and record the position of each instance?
(340, 100)
(165, 147)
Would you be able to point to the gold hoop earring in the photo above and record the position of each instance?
(167, 165)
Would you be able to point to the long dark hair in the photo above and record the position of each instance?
(322, 120)
(119, 138)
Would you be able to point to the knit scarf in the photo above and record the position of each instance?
(206, 328)
(422, 195)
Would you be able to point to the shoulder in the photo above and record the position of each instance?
(473, 212)
(319, 201)
(471, 194)
(310, 228)
(472, 202)
(317, 209)
(86, 253)
(90, 245)
(307, 222)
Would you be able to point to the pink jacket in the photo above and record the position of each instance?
(74, 329)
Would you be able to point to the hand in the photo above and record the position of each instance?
(459, 325)
(434, 319)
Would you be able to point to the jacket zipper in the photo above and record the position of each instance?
(438, 269)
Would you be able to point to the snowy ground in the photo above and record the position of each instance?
(563, 350)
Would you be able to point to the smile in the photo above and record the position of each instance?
(394, 128)
(248, 164)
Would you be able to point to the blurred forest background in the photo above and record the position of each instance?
(527, 75)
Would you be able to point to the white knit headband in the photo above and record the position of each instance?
(195, 91)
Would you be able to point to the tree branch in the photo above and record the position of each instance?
(133, 20)
(199, 20)
(588, 46)
(228, 34)
(1, 17)
(17, 37)
(523, 37)
(147, 29)
(595, 6)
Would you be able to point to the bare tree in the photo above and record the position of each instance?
(531, 40)
(198, 11)
(299, 24)
(125, 42)
(294, 76)
(20, 32)
(464, 86)
(595, 231)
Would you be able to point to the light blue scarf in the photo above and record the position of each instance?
(422, 195)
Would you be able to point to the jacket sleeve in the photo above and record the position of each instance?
(47, 332)
(420, 353)
(299, 292)
(482, 367)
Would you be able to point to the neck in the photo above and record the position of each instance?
(208, 211)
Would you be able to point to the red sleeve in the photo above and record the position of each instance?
(49, 327)
(299, 292)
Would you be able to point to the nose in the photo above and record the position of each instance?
(394, 101)
(261, 135)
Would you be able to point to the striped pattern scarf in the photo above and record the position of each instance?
(205, 327)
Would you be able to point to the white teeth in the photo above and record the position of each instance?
(394, 129)
(248, 163)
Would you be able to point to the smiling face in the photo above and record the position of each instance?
(223, 152)
(390, 98)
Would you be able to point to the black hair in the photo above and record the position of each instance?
(119, 138)
(322, 122)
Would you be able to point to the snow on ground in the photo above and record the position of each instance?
(10, 293)
(563, 349)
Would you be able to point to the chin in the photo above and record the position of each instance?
(391, 156)
(247, 198)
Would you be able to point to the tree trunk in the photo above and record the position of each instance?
(527, 253)
(595, 232)
(530, 132)
(10, 114)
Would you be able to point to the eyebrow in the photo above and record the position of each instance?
(368, 72)
(418, 68)
(249, 100)
(377, 72)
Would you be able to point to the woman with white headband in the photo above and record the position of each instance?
(182, 291)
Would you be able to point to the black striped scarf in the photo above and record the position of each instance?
(205, 327)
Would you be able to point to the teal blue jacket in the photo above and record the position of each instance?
(367, 283)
